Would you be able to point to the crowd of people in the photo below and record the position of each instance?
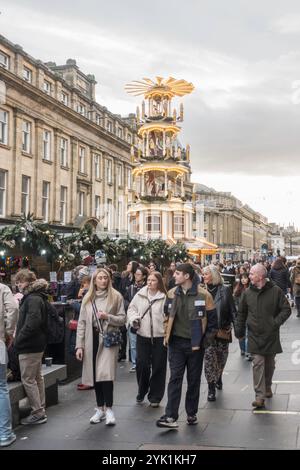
(184, 317)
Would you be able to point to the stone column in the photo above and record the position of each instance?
(141, 218)
(147, 145)
(16, 173)
(55, 189)
(37, 184)
(166, 183)
(143, 184)
(164, 225)
(58, 90)
(40, 76)
(72, 193)
(182, 186)
(19, 65)
(164, 143)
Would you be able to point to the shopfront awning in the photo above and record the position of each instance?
(200, 246)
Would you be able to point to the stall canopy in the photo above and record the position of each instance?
(200, 246)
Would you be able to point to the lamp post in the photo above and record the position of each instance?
(290, 233)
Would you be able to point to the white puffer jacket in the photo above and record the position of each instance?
(139, 305)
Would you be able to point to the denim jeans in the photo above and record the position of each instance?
(132, 345)
(5, 409)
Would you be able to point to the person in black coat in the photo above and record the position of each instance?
(31, 341)
(217, 353)
(126, 281)
(280, 275)
(116, 277)
(140, 277)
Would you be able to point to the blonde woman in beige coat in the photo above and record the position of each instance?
(99, 362)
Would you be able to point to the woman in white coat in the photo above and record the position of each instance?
(100, 362)
(146, 314)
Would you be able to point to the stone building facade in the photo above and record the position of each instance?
(221, 218)
(63, 157)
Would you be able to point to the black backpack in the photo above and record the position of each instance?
(55, 325)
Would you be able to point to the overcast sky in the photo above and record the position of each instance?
(242, 120)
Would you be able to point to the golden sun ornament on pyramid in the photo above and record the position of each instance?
(163, 86)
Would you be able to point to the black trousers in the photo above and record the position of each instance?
(151, 368)
(182, 357)
(103, 390)
(123, 347)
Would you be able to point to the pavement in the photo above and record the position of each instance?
(228, 423)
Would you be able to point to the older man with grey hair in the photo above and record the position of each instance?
(264, 308)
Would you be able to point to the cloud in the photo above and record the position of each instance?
(287, 24)
(242, 119)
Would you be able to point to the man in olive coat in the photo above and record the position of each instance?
(264, 308)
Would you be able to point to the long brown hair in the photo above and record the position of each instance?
(113, 294)
(160, 285)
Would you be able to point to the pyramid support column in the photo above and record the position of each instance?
(166, 183)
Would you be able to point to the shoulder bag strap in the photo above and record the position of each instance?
(99, 323)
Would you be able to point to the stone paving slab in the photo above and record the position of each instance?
(228, 423)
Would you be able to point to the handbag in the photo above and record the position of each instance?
(110, 338)
(224, 334)
(72, 325)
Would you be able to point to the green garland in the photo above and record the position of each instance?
(31, 235)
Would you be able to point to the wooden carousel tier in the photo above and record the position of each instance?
(158, 126)
(160, 166)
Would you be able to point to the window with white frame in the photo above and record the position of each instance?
(109, 215)
(97, 166)
(25, 196)
(133, 225)
(81, 159)
(81, 201)
(109, 171)
(2, 193)
(97, 207)
(129, 138)
(63, 204)
(3, 127)
(153, 223)
(27, 74)
(179, 223)
(47, 87)
(45, 201)
(120, 132)
(98, 119)
(120, 175)
(46, 145)
(129, 179)
(64, 98)
(26, 136)
(109, 126)
(4, 60)
(63, 152)
(81, 109)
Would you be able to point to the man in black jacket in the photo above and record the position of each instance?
(31, 341)
(264, 308)
(192, 319)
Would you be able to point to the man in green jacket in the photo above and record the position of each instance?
(264, 308)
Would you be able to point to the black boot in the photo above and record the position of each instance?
(219, 384)
(211, 392)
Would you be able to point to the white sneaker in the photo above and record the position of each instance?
(110, 417)
(98, 416)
